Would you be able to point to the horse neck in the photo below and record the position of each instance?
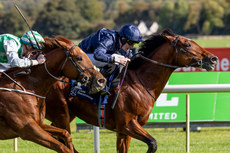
(54, 62)
(153, 76)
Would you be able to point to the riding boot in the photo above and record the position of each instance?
(113, 74)
(116, 78)
(108, 69)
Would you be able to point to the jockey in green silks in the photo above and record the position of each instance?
(13, 49)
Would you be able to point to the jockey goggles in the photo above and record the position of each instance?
(131, 43)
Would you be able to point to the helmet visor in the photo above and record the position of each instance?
(131, 43)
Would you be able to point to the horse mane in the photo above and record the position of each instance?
(51, 43)
(149, 47)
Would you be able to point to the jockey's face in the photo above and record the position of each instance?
(26, 49)
(127, 45)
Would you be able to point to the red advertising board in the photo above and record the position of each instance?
(223, 64)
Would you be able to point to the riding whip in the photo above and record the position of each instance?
(27, 25)
(123, 77)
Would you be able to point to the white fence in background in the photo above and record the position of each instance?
(194, 88)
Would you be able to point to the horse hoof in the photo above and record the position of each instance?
(75, 151)
(152, 147)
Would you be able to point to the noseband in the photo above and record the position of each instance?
(198, 61)
(85, 79)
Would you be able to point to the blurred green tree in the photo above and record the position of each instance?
(211, 16)
(12, 22)
(192, 20)
(131, 13)
(166, 15)
(226, 19)
(78, 18)
(180, 15)
(61, 18)
(91, 10)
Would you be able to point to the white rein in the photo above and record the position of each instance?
(20, 91)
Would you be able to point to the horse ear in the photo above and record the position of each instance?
(168, 31)
(168, 34)
(169, 38)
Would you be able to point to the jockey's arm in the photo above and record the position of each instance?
(14, 60)
(11, 49)
(100, 55)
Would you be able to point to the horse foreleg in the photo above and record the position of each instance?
(135, 130)
(62, 121)
(123, 142)
(33, 132)
(63, 134)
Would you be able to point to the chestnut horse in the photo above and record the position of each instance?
(22, 103)
(146, 77)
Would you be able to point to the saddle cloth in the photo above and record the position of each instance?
(82, 91)
(77, 89)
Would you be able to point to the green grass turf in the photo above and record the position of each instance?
(208, 140)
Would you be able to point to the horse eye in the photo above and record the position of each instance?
(187, 45)
(79, 58)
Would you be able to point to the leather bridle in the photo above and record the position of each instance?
(198, 61)
(174, 44)
(85, 79)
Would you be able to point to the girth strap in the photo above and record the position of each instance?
(101, 111)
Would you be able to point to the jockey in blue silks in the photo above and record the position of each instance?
(108, 49)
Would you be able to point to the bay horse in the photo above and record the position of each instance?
(22, 102)
(146, 77)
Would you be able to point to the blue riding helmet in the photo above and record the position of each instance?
(131, 32)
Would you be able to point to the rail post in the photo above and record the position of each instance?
(96, 139)
(187, 122)
(15, 144)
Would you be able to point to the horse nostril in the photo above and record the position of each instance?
(214, 59)
(101, 82)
